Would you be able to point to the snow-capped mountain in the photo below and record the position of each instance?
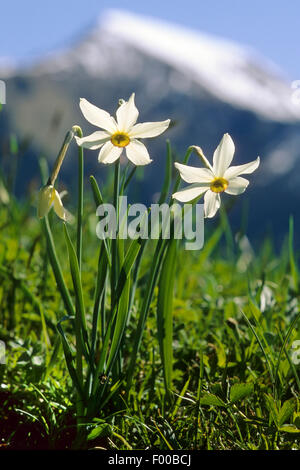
(231, 73)
(206, 85)
(234, 74)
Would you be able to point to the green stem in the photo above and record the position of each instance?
(185, 160)
(151, 283)
(156, 265)
(77, 130)
(79, 365)
(57, 271)
(114, 264)
(61, 156)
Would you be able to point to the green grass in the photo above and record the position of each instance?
(235, 315)
(140, 344)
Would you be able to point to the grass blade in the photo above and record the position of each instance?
(76, 278)
(293, 266)
(260, 345)
(168, 175)
(153, 276)
(57, 271)
(165, 312)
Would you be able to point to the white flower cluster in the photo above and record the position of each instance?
(123, 133)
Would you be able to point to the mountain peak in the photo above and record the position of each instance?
(235, 74)
(231, 72)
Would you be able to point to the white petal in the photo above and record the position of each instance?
(127, 115)
(137, 153)
(212, 202)
(97, 116)
(237, 186)
(58, 206)
(223, 155)
(109, 153)
(247, 168)
(190, 193)
(191, 174)
(93, 141)
(69, 217)
(63, 194)
(149, 129)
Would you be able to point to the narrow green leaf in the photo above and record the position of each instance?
(78, 131)
(283, 349)
(179, 399)
(185, 161)
(115, 262)
(126, 181)
(54, 357)
(76, 278)
(98, 202)
(57, 271)
(82, 343)
(13, 144)
(210, 245)
(151, 282)
(168, 175)
(99, 293)
(227, 231)
(119, 326)
(165, 311)
(96, 191)
(122, 297)
(261, 346)
(293, 265)
(69, 360)
(128, 263)
(104, 352)
(163, 437)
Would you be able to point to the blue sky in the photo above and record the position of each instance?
(31, 28)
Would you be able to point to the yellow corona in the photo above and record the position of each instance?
(120, 139)
(219, 185)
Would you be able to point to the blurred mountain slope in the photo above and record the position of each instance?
(206, 85)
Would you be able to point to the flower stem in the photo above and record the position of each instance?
(79, 365)
(77, 130)
(61, 156)
(185, 160)
(57, 271)
(114, 264)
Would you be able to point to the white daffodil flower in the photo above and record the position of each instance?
(215, 179)
(48, 197)
(120, 133)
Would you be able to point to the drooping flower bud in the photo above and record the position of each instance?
(48, 197)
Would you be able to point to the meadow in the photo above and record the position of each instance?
(142, 344)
